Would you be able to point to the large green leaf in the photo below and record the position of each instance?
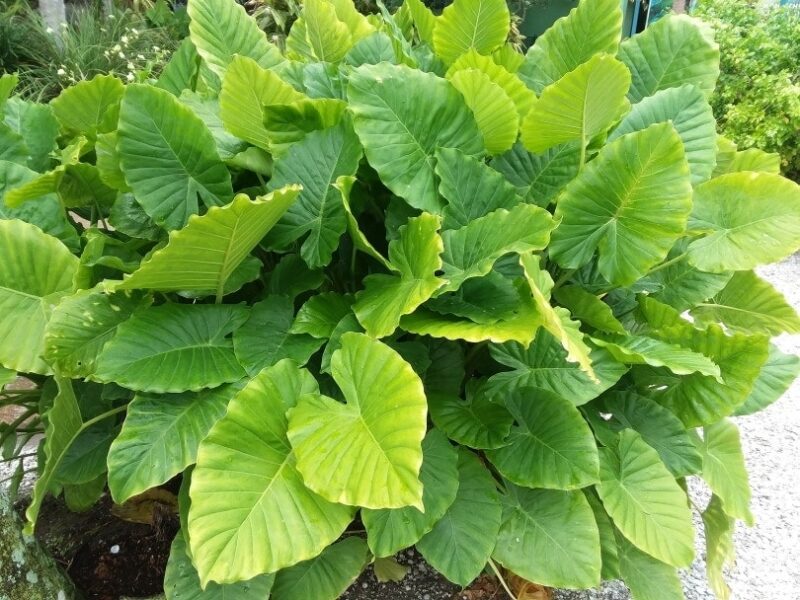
(679, 284)
(748, 218)
(494, 110)
(386, 298)
(642, 350)
(630, 204)
(36, 270)
(402, 116)
(539, 178)
(676, 50)
(700, 399)
(773, 380)
(583, 103)
(724, 469)
(522, 97)
(556, 320)
(220, 30)
(646, 577)
(590, 28)
(392, 530)
(89, 107)
(317, 161)
(471, 188)
(38, 127)
(662, 430)
(267, 336)
(328, 38)
(63, 426)
(549, 537)
(12, 146)
(208, 109)
(484, 300)
(481, 421)
(246, 89)
(691, 116)
(80, 327)
(551, 445)
(751, 159)
(471, 24)
(472, 250)
(181, 581)
(749, 304)
(520, 326)
(46, 212)
(166, 173)
(544, 365)
(345, 184)
(461, 543)
(644, 500)
(160, 436)
(320, 314)
(150, 348)
(326, 576)
(258, 517)
(181, 71)
(609, 554)
(720, 551)
(588, 308)
(368, 451)
(202, 256)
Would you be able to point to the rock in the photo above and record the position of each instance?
(26, 571)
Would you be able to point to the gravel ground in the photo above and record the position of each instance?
(767, 567)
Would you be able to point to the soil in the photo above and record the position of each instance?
(107, 557)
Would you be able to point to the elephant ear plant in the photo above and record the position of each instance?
(400, 285)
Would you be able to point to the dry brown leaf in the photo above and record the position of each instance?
(526, 590)
(145, 508)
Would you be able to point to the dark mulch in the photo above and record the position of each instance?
(109, 558)
(105, 556)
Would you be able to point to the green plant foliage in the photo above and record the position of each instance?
(395, 274)
(756, 100)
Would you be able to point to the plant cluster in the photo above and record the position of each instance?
(495, 306)
(133, 46)
(757, 100)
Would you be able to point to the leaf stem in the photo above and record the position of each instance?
(668, 263)
(502, 580)
(563, 279)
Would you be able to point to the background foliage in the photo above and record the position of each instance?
(757, 100)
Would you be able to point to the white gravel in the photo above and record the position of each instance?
(767, 567)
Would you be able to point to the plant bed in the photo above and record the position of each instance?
(396, 285)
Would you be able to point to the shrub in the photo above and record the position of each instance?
(757, 100)
(495, 306)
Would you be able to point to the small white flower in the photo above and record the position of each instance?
(117, 48)
(124, 39)
(129, 77)
(130, 66)
(134, 31)
(61, 72)
(140, 56)
(156, 49)
(121, 55)
(111, 16)
(50, 30)
(63, 25)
